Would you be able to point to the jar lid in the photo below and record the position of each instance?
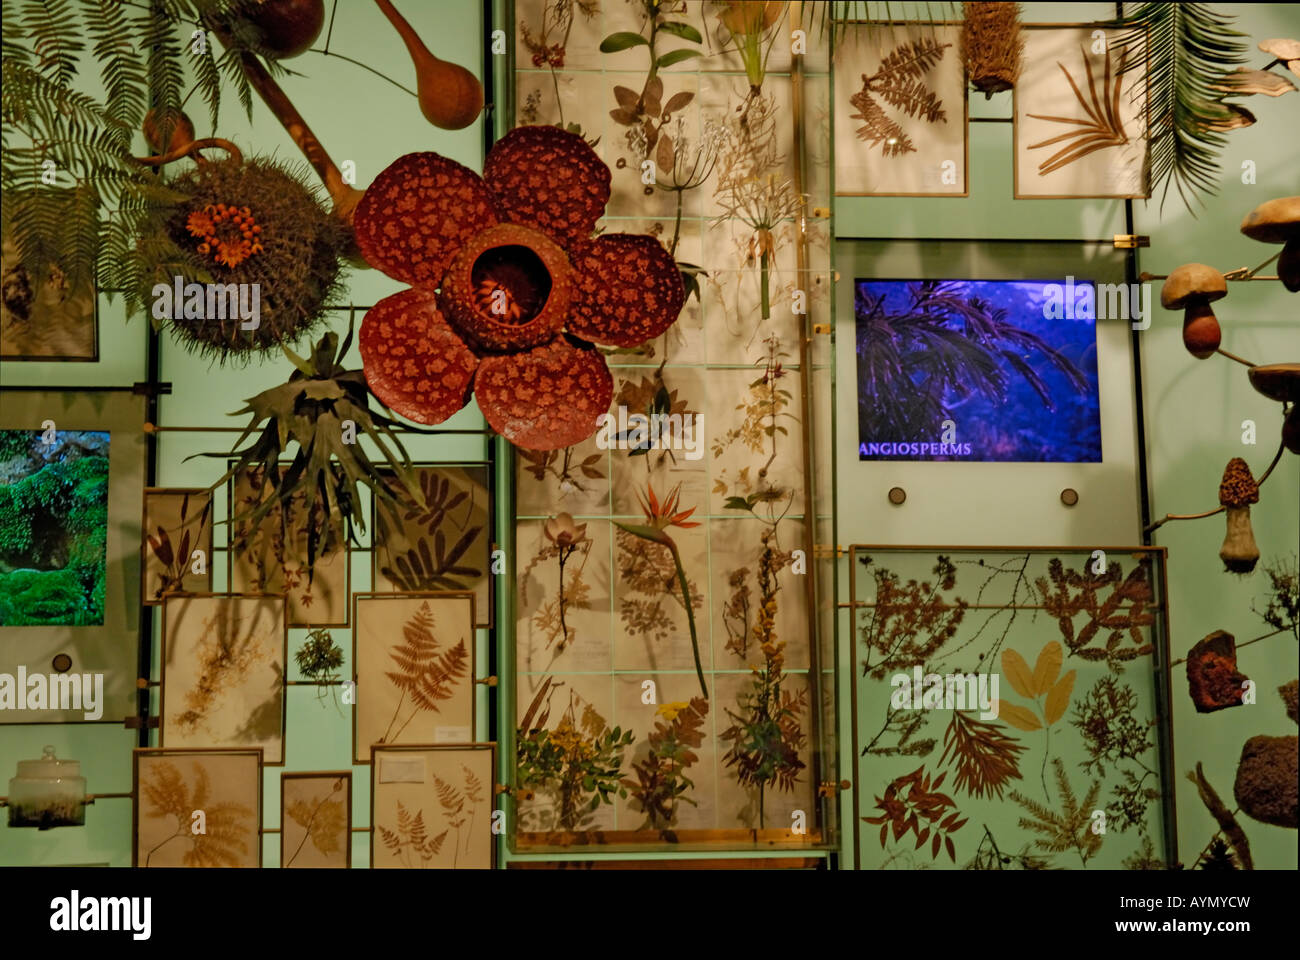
(49, 766)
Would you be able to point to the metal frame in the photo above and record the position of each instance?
(471, 643)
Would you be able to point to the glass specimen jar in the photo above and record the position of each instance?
(48, 792)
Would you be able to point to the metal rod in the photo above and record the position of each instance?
(432, 431)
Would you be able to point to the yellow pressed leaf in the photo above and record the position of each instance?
(1017, 671)
(1018, 717)
(1047, 668)
(1059, 698)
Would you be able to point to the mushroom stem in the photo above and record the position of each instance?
(1233, 356)
(192, 148)
(345, 197)
(1239, 552)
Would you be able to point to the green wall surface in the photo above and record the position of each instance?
(1193, 409)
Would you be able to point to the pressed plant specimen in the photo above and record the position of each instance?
(548, 46)
(671, 417)
(176, 559)
(459, 806)
(228, 827)
(411, 837)
(427, 671)
(562, 465)
(444, 520)
(764, 409)
(1045, 686)
(658, 518)
(909, 622)
(224, 656)
(1069, 830)
(564, 538)
(766, 734)
(984, 756)
(1282, 609)
(323, 821)
(319, 659)
(578, 762)
(1112, 734)
(1123, 612)
(661, 782)
(913, 803)
(1100, 127)
(749, 26)
(899, 81)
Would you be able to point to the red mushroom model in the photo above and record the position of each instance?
(1237, 492)
(1192, 288)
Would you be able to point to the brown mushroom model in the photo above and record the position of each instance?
(1237, 491)
(1286, 51)
(1281, 382)
(1278, 221)
(1192, 288)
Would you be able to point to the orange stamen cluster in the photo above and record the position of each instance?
(228, 234)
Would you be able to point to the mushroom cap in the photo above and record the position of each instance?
(1192, 283)
(1274, 221)
(1238, 488)
(1277, 381)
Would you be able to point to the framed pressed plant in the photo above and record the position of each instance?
(176, 555)
(1009, 710)
(43, 319)
(431, 806)
(196, 808)
(223, 671)
(900, 109)
(272, 557)
(1079, 116)
(413, 665)
(316, 819)
(444, 545)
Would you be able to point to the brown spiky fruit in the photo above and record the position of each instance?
(992, 46)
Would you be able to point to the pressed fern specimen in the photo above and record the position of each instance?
(459, 807)
(426, 673)
(1103, 126)
(419, 568)
(411, 837)
(1072, 828)
(900, 82)
(985, 758)
(226, 836)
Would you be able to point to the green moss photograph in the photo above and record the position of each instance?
(53, 521)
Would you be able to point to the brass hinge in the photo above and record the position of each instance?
(821, 329)
(828, 788)
(1131, 241)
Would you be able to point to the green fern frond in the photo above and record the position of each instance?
(55, 35)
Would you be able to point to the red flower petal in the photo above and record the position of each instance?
(548, 397)
(514, 270)
(413, 360)
(627, 289)
(418, 213)
(548, 178)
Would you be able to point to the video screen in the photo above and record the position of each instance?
(977, 370)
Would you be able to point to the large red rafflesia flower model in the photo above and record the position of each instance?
(509, 288)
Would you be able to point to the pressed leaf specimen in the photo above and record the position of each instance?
(410, 840)
(661, 781)
(548, 46)
(171, 563)
(565, 538)
(578, 762)
(1125, 611)
(909, 622)
(984, 756)
(427, 671)
(1069, 830)
(1102, 125)
(913, 803)
(459, 807)
(319, 659)
(900, 82)
(1045, 686)
(321, 813)
(229, 828)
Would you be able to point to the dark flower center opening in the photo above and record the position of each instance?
(511, 284)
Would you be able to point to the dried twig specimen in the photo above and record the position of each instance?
(899, 82)
(1103, 127)
(226, 834)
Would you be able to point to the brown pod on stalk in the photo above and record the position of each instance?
(288, 27)
(450, 96)
(182, 133)
(1192, 288)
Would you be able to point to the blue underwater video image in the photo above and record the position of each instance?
(974, 370)
(53, 527)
